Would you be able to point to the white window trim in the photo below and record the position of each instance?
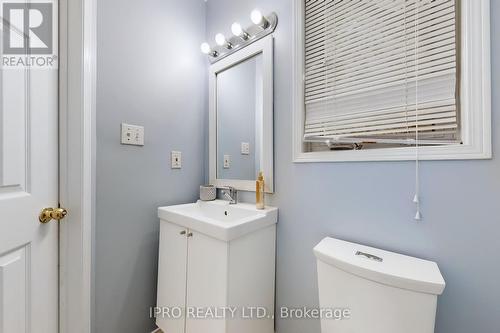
(475, 97)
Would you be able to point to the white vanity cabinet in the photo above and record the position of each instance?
(205, 276)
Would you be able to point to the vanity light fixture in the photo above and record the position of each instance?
(205, 48)
(241, 37)
(221, 40)
(238, 31)
(259, 19)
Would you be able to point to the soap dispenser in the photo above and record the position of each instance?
(259, 191)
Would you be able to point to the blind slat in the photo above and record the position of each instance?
(391, 70)
(434, 106)
(373, 25)
(400, 80)
(396, 40)
(429, 113)
(430, 126)
(374, 63)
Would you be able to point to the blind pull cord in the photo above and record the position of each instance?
(416, 199)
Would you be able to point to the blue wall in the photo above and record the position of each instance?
(371, 202)
(150, 72)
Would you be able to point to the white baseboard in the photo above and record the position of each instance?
(158, 330)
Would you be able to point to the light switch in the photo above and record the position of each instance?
(245, 148)
(176, 159)
(132, 135)
(227, 161)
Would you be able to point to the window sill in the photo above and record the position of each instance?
(452, 152)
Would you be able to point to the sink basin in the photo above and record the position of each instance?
(219, 219)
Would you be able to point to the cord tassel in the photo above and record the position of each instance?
(418, 214)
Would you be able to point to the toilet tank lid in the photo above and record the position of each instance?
(381, 266)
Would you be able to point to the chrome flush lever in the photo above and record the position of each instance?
(369, 256)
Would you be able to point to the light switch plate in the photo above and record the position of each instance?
(132, 135)
(227, 161)
(245, 148)
(176, 159)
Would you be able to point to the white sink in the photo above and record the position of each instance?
(219, 219)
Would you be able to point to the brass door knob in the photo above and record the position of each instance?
(49, 214)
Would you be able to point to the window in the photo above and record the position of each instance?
(376, 78)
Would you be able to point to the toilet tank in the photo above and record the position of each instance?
(376, 291)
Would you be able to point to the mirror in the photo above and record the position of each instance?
(241, 116)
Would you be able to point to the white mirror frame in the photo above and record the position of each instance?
(263, 46)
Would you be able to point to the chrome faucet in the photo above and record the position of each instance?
(230, 194)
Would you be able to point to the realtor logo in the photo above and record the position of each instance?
(28, 34)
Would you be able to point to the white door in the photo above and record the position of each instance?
(28, 175)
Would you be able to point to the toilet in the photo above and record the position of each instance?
(376, 291)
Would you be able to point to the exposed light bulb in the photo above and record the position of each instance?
(239, 32)
(236, 29)
(205, 48)
(220, 39)
(256, 17)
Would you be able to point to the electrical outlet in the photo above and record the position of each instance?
(245, 148)
(176, 159)
(132, 135)
(227, 161)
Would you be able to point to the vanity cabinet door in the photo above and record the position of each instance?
(207, 282)
(172, 277)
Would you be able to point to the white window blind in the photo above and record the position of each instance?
(381, 71)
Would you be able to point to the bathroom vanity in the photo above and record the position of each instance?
(217, 260)
(216, 268)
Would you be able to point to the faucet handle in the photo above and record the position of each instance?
(231, 193)
(228, 188)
